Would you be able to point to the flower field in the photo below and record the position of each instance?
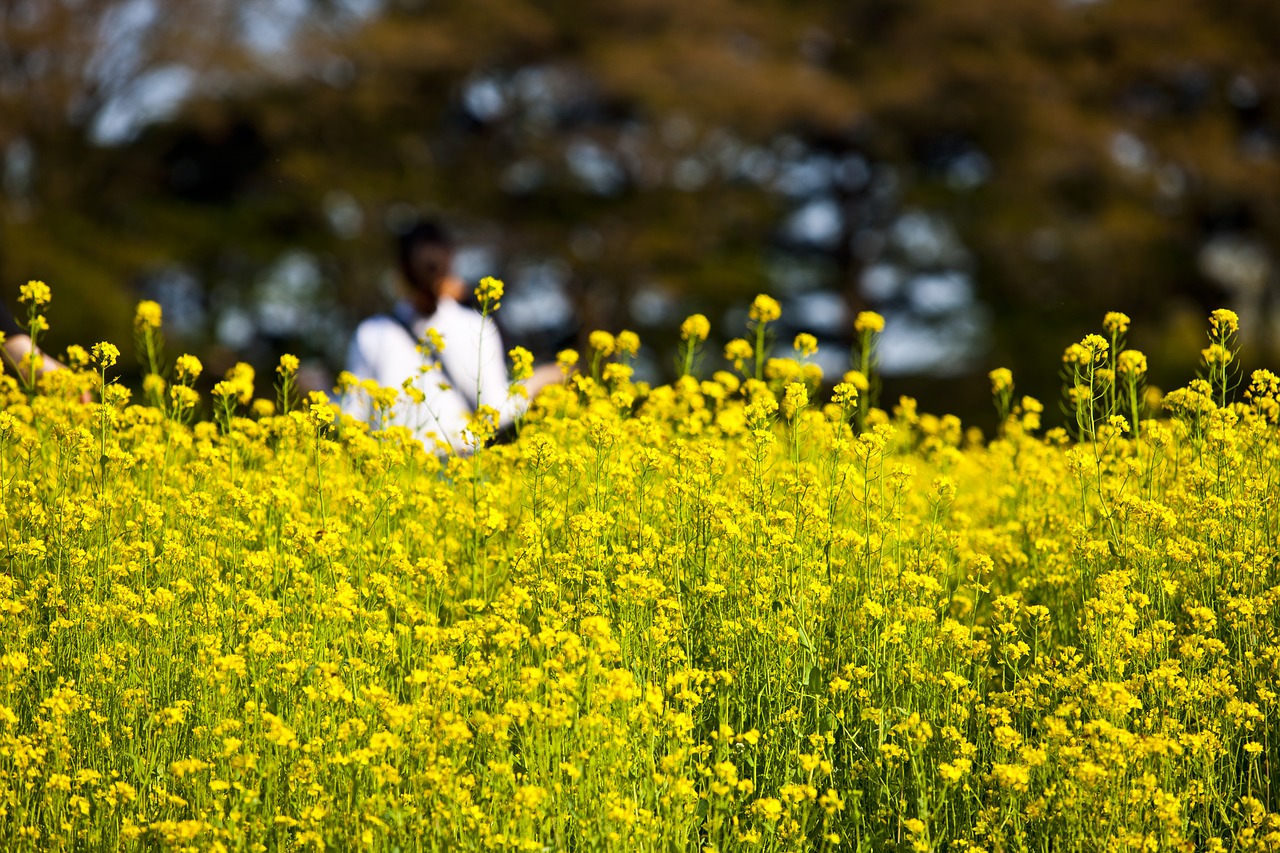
(723, 614)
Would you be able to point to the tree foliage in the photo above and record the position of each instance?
(1059, 158)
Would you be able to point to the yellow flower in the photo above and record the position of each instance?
(147, 315)
(434, 340)
(628, 342)
(1115, 323)
(868, 321)
(489, 292)
(322, 414)
(805, 344)
(768, 808)
(1216, 355)
(105, 354)
(1001, 380)
(1090, 350)
(241, 379)
(730, 382)
(857, 379)
(782, 368)
(737, 351)
(567, 359)
(482, 426)
(188, 368)
(77, 356)
(183, 397)
(617, 372)
(153, 385)
(226, 389)
(35, 293)
(795, 398)
(521, 364)
(765, 309)
(696, 327)
(1225, 321)
(831, 801)
(602, 342)
(844, 394)
(288, 364)
(1264, 383)
(954, 771)
(1131, 362)
(1014, 776)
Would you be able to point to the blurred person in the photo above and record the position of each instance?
(469, 370)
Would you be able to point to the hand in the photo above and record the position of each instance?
(543, 375)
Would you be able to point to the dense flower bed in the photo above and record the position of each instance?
(712, 615)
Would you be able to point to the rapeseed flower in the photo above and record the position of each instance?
(764, 309)
(627, 342)
(489, 293)
(106, 354)
(696, 327)
(1131, 363)
(188, 368)
(738, 351)
(521, 364)
(147, 315)
(1116, 323)
(603, 343)
(868, 321)
(1224, 321)
(35, 294)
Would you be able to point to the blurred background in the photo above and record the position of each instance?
(991, 175)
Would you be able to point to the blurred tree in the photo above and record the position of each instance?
(1120, 143)
(1017, 166)
(76, 76)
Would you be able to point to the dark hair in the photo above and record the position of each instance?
(425, 254)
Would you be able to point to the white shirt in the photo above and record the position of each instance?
(473, 363)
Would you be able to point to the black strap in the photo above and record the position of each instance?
(403, 323)
(8, 325)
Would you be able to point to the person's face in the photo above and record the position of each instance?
(429, 267)
(429, 264)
